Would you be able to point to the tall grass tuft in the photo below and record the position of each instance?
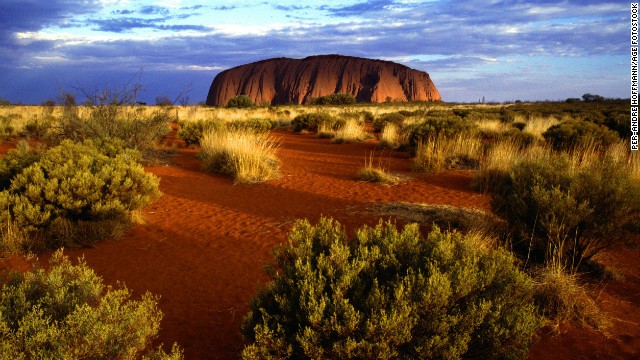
(377, 173)
(244, 154)
(351, 132)
(390, 136)
(439, 153)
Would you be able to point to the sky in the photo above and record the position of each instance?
(497, 50)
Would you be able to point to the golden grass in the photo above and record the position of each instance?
(245, 155)
(562, 298)
(378, 173)
(440, 153)
(390, 136)
(538, 125)
(351, 132)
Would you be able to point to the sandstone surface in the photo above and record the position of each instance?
(299, 81)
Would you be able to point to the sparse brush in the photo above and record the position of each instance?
(439, 153)
(390, 136)
(377, 174)
(351, 132)
(500, 158)
(536, 126)
(560, 297)
(325, 131)
(243, 154)
(465, 220)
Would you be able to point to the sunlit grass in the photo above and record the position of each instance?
(245, 155)
(440, 153)
(351, 132)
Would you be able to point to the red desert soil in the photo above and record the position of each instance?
(204, 243)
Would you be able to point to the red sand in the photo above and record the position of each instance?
(204, 243)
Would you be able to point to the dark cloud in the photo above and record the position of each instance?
(125, 24)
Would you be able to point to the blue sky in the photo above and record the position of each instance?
(499, 50)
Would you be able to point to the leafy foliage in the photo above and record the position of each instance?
(108, 122)
(67, 313)
(312, 121)
(572, 213)
(389, 294)
(76, 183)
(193, 131)
(380, 122)
(240, 102)
(16, 160)
(573, 133)
(335, 99)
(438, 126)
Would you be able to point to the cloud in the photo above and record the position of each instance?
(458, 45)
(125, 24)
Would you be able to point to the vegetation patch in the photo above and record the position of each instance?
(245, 155)
(68, 313)
(73, 188)
(334, 297)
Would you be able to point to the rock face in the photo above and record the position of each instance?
(283, 80)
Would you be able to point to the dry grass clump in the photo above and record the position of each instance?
(561, 297)
(439, 153)
(501, 157)
(378, 174)
(325, 131)
(390, 136)
(244, 154)
(351, 132)
(466, 220)
(538, 125)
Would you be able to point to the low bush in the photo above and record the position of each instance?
(569, 134)
(6, 127)
(107, 122)
(389, 294)
(568, 212)
(381, 121)
(312, 121)
(245, 155)
(240, 102)
(335, 99)
(256, 124)
(444, 153)
(193, 131)
(68, 313)
(16, 160)
(76, 186)
(435, 127)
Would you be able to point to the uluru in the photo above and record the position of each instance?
(299, 81)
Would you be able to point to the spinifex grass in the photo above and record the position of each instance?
(351, 132)
(243, 154)
(441, 152)
(377, 173)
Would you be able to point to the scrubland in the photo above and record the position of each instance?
(562, 187)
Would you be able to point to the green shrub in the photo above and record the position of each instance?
(389, 294)
(191, 132)
(240, 102)
(335, 99)
(568, 214)
(260, 125)
(437, 127)
(67, 313)
(572, 133)
(395, 118)
(107, 122)
(312, 121)
(77, 184)
(16, 160)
